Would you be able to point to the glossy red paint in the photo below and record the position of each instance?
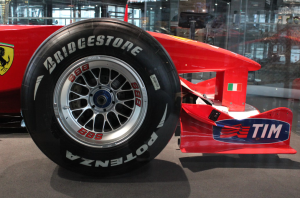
(126, 13)
(204, 87)
(26, 39)
(234, 100)
(201, 113)
(190, 56)
(197, 133)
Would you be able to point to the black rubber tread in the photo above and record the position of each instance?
(39, 116)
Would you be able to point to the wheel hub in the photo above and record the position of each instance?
(100, 101)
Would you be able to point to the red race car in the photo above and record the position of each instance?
(102, 96)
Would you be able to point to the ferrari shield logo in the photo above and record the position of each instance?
(6, 57)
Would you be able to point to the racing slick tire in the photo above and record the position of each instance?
(101, 97)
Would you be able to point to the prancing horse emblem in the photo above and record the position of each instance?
(6, 57)
(2, 60)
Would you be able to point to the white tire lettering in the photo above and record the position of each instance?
(70, 156)
(118, 42)
(109, 38)
(37, 84)
(58, 57)
(102, 164)
(81, 43)
(86, 162)
(128, 44)
(162, 121)
(116, 162)
(71, 47)
(136, 50)
(129, 158)
(65, 51)
(142, 149)
(91, 41)
(152, 139)
(100, 40)
(49, 64)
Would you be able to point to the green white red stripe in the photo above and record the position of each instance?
(234, 87)
(6, 44)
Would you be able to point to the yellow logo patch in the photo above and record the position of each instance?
(181, 38)
(6, 57)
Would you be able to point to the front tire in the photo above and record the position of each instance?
(101, 97)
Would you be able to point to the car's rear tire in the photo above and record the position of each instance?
(101, 97)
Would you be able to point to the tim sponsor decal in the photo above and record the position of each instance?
(251, 131)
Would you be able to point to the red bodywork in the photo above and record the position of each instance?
(188, 56)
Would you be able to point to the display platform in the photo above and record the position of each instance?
(26, 172)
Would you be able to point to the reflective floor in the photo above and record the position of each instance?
(26, 172)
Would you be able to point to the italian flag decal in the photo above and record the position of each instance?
(234, 87)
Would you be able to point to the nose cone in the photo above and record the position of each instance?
(191, 56)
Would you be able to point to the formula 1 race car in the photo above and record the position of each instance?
(102, 96)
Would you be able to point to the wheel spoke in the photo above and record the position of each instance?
(81, 84)
(120, 101)
(116, 114)
(80, 89)
(123, 115)
(125, 105)
(106, 119)
(104, 76)
(76, 99)
(100, 100)
(122, 86)
(95, 76)
(114, 79)
(103, 125)
(85, 80)
(83, 110)
(81, 97)
(90, 78)
(97, 121)
(125, 95)
(92, 118)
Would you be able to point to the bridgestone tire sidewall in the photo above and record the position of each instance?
(151, 137)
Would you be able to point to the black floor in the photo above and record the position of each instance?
(26, 172)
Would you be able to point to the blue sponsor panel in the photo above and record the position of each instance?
(251, 131)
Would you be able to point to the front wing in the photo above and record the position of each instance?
(207, 129)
